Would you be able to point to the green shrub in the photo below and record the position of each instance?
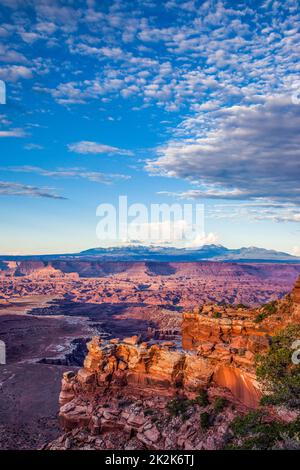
(205, 420)
(219, 404)
(260, 317)
(252, 431)
(179, 406)
(267, 400)
(276, 371)
(242, 425)
(268, 309)
(217, 315)
(242, 306)
(202, 398)
(271, 307)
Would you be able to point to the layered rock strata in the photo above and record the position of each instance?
(123, 381)
(296, 292)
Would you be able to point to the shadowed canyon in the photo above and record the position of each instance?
(160, 330)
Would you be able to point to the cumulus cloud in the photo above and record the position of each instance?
(16, 189)
(9, 55)
(208, 51)
(217, 68)
(88, 147)
(258, 210)
(296, 250)
(253, 153)
(13, 73)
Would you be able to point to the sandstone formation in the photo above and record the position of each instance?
(110, 400)
(120, 399)
(228, 338)
(165, 284)
(296, 292)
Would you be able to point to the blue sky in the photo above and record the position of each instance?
(176, 101)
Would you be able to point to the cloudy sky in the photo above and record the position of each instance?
(166, 102)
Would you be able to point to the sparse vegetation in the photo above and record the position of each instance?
(268, 309)
(202, 398)
(254, 431)
(178, 406)
(281, 381)
(242, 306)
(276, 371)
(243, 425)
(260, 317)
(217, 315)
(205, 420)
(219, 404)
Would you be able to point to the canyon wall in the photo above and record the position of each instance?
(229, 338)
(219, 344)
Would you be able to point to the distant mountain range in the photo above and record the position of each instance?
(172, 254)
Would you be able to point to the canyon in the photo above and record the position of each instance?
(111, 401)
(151, 323)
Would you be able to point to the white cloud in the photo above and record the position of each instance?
(14, 72)
(254, 152)
(9, 55)
(12, 133)
(88, 147)
(33, 146)
(296, 250)
(203, 239)
(67, 173)
(17, 189)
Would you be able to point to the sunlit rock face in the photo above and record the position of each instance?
(123, 380)
(296, 292)
(150, 367)
(242, 384)
(229, 338)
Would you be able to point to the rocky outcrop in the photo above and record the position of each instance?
(296, 292)
(242, 385)
(131, 368)
(123, 382)
(144, 368)
(136, 423)
(229, 338)
(121, 400)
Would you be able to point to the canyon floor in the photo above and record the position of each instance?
(48, 311)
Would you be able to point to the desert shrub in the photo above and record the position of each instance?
(288, 443)
(242, 425)
(202, 397)
(205, 420)
(253, 432)
(179, 406)
(276, 371)
(219, 404)
(268, 309)
(260, 317)
(217, 315)
(123, 403)
(242, 306)
(267, 400)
